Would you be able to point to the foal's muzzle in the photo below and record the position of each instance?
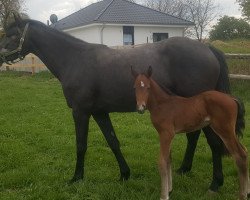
(141, 109)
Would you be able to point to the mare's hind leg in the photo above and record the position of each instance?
(192, 139)
(217, 148)
(107, 129)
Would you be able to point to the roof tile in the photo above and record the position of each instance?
(117, 11)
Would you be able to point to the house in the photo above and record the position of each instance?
(121, 22)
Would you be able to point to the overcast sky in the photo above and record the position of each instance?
(41, 10)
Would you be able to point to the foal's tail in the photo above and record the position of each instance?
(240, 122)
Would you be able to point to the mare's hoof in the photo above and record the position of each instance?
(74, 180)
(211, 193)
(215, 185)
(183, 170)
(125, 176)
(248, 195)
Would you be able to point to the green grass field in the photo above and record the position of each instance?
(233, 46)
(237, 46)
(37, 150)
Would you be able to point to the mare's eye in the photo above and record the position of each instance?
(13, 32)
(13, 37)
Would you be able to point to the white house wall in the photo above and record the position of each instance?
(145, 34)
(112, 35)
(89, 34)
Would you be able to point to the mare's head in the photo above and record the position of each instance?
(11, 45)
(142, 88)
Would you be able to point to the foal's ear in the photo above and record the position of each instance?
(17, 18)
(133, 72)
(149, 72)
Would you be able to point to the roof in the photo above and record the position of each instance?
(120, 12)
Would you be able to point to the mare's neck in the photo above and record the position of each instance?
(156, 95)
(54, 48)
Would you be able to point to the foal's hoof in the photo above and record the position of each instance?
(125, 176)
(248, 195)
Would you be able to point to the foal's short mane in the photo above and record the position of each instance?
(165, 89)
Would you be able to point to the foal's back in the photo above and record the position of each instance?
(189, 114)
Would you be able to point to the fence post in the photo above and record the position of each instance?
(32, 65)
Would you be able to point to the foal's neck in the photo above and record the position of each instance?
(157, 95)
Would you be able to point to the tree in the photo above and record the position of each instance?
(201, 12)
(7, 7)
(172, 7)
(245, 5)
(230, 28)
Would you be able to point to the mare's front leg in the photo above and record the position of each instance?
(192, 139)
(165, 164)
(217, 148)
(104, 122)
(81, 120)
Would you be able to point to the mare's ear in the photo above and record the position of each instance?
(149, 72)
(133, 72)
(17, 19)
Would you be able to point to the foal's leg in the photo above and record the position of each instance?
(169, 168)
(248, 190)
(192, 139)
(217, 148)
(81, 120)
(107, 129)
(165, 164)
(239, 154)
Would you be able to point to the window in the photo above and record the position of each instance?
(128, 35)
(159, 36)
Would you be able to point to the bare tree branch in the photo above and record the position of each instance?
(201, 12)
(7, 7)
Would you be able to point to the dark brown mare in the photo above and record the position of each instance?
(171, 114)
(96, 81)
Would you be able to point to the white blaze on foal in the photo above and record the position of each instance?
(142, 84)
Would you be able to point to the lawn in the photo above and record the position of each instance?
(233, 46)
(37, 150)
(237, 46)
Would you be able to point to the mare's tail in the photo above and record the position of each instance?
(223, 85)
(240, 122)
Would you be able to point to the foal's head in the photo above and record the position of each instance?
(142, 87)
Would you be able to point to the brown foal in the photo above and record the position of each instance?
(171, 114)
